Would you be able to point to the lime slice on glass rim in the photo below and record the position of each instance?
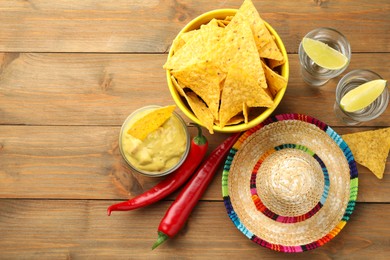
(363, 95)
(323, 55)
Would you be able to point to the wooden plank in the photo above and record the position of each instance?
(84, 162)
(93, 26)
(62, 229)
(68, 89)
(68, 162)
(103, 89)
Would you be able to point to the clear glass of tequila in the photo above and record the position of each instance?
(312, 73)
(350, 81)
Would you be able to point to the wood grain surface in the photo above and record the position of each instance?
(151, 25)
(70, 74)
(84, 162)
(68, 229)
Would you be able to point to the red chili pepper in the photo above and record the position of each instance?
(172, 182)
(181, 208)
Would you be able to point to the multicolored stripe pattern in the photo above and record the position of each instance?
(353, 186)
(288, 219)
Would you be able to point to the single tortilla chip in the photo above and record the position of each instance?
(275, 81)
(201, 111)
(177, 44)
(150, 122)
(370, 149)
(181, 40)
(271, 51)
(245, 112)
(268, 91)
(204, 79)
(237, 119)
(198, 107)
(197, 46)
(237, 46)
(275, 63)
(240, 90)
(188, 35)
(233, 96)
(265, 43)
(179, 88)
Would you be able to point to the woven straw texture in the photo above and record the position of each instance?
(290, 183)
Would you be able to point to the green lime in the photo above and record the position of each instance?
(363, 95)
(323, 55)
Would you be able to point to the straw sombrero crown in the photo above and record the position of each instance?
(290, 184)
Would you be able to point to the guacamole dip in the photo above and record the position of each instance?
(160, 151)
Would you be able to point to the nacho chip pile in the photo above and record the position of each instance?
(226, 68)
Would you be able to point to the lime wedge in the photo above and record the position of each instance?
(323, 55)
(363, 95)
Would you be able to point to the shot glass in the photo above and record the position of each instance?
(350, 81)
(313, 74)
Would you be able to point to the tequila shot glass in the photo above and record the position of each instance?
(314, 74)
(350, 81)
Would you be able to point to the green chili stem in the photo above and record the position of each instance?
(161, 239)
(200, 139)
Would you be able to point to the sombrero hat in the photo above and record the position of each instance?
(290, 184)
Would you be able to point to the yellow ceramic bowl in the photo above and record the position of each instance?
(181, 103)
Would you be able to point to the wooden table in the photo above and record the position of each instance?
(71, 72)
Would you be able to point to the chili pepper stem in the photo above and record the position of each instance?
(161, 239)
(200, 139)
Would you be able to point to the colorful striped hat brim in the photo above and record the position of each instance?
(290, 184)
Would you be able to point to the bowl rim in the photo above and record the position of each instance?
(195, 24)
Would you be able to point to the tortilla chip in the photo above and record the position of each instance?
(245, 112)
(271, 51)
(177, 86)
(186, 37)
(196, 48)
(265, 43)
(275, 63)
(181, 40)
(268, 91)
(237, 46)
(150, 122)
(177, 44)
(203, 78)
(235, 120)
(370, 149)
(240, 89)
(198, 107)
(221, 24)
(275, 81)
(225, 22)
(201, 111)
